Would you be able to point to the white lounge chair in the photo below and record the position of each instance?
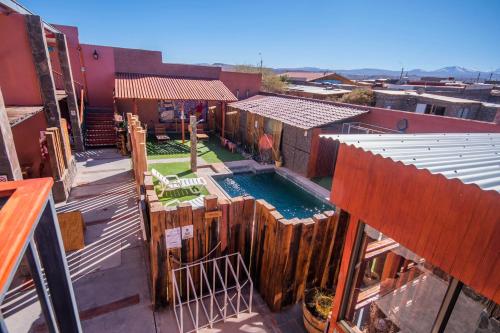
(173, 182)
(196, 202)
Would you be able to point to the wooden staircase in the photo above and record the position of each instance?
(99, 128)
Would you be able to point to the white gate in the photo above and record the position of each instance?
(224, 290)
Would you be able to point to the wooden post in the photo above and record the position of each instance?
(183, 116)
(55, 162)
(135, 108)
(192, 123)
(36, 36)
(9, 163)
(223, 111)
(62, 49)
(305, 252)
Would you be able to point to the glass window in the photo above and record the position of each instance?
(393, 290)
(473, 313)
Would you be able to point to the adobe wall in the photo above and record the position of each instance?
(242, 85)
(18, 77)
(150, 62)
(425, 123)
(26, 139)
(73, 43)
(100, 75)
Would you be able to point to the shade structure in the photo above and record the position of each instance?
(156, 87)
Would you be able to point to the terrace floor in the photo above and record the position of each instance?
(110, 275)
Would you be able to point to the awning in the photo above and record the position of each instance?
(156, 87)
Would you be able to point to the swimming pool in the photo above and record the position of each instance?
(288, 199)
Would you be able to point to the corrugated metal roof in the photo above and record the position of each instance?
(146, 86)
(301, 113)
(473, 158)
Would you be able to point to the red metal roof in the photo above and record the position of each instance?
(150, 86)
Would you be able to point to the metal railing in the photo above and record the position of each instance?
(29, 227)
(363, 128)
(58, 80)
(231, 282)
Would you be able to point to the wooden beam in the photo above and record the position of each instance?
(9, 163)
(62, 50)
(192, 124)
(223, 111)
(183, 116)
(41, 58)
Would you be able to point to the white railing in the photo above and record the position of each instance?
(363, 128)
(228, 281)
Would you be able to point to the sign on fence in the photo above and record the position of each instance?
(187, 231)
(173, 238)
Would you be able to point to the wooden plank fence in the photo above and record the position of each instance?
(60, 157)
(137, 146)
(284, 257)
(277, 251)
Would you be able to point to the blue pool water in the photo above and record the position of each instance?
(288, 199)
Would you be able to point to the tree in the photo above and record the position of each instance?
(271, 82)
(359, 97)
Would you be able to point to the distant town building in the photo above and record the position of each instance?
(425, 103)
(325, 78)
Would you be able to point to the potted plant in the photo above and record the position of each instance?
(316, 309)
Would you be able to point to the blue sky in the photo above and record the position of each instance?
(333, 34)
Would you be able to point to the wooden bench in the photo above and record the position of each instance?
(201, 136)
(161, 133)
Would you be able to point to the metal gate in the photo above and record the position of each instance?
(210, 291)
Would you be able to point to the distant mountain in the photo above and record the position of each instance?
(457, 72)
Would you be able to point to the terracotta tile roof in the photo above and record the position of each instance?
(301, 113)
(149, 86)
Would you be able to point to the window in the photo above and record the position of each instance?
(473, 313)
(392, 289)
(464, 113)
(439, 110)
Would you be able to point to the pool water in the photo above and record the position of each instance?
(288, 199)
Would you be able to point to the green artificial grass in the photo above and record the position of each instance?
(182, 170)
(210, 151)
(325, 182)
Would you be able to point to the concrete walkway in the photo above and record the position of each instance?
(110, 274)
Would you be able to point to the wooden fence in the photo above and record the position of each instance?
(277, 251)
(137, 146)
(59, 149)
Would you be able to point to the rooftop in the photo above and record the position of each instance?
(306, 76)
(149, 86)
(297, 112)
(318, 90)
(426, 95)
(473, 158)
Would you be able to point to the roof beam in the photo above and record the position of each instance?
(18, 8)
